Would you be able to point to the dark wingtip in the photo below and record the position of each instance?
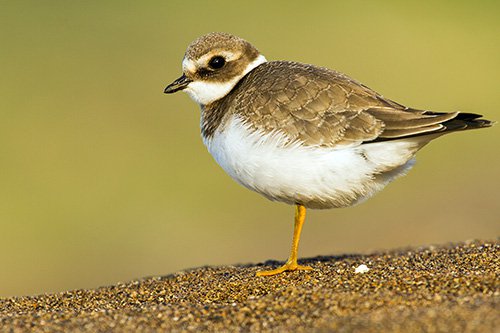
(469, 121)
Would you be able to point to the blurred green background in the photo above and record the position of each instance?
(103, 178)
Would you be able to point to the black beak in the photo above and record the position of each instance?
(178, 84)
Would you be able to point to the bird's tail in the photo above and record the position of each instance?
(409, 123)
(465, 121)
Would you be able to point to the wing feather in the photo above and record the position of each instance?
(321, 107)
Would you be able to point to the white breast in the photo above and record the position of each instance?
(314, 176)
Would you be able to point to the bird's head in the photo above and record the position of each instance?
(213, 64)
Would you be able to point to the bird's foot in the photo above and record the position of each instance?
(289, 266)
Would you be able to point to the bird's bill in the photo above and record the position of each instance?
(179, 84)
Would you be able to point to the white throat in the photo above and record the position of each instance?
(205, 93)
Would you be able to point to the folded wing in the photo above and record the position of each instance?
(320, 107)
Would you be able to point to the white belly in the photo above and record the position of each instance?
(316, 177)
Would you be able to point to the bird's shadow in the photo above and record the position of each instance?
(317, 259)
(306, 261)
(271, 262)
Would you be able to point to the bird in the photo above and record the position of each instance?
(300, 134)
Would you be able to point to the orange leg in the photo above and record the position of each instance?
(291, 264)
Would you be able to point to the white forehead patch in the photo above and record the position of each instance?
(188, 66)
(204, 93)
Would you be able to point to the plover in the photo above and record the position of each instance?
(300, 134)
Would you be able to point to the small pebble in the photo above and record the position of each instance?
(361, 269)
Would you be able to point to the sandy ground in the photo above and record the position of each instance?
(453, 288)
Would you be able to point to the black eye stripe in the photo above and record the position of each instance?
(204, 72)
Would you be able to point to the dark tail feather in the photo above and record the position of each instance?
(416, 123)
(466, 121)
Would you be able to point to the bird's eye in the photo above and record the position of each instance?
(216, 62)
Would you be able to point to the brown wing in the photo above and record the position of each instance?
(318, 106)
